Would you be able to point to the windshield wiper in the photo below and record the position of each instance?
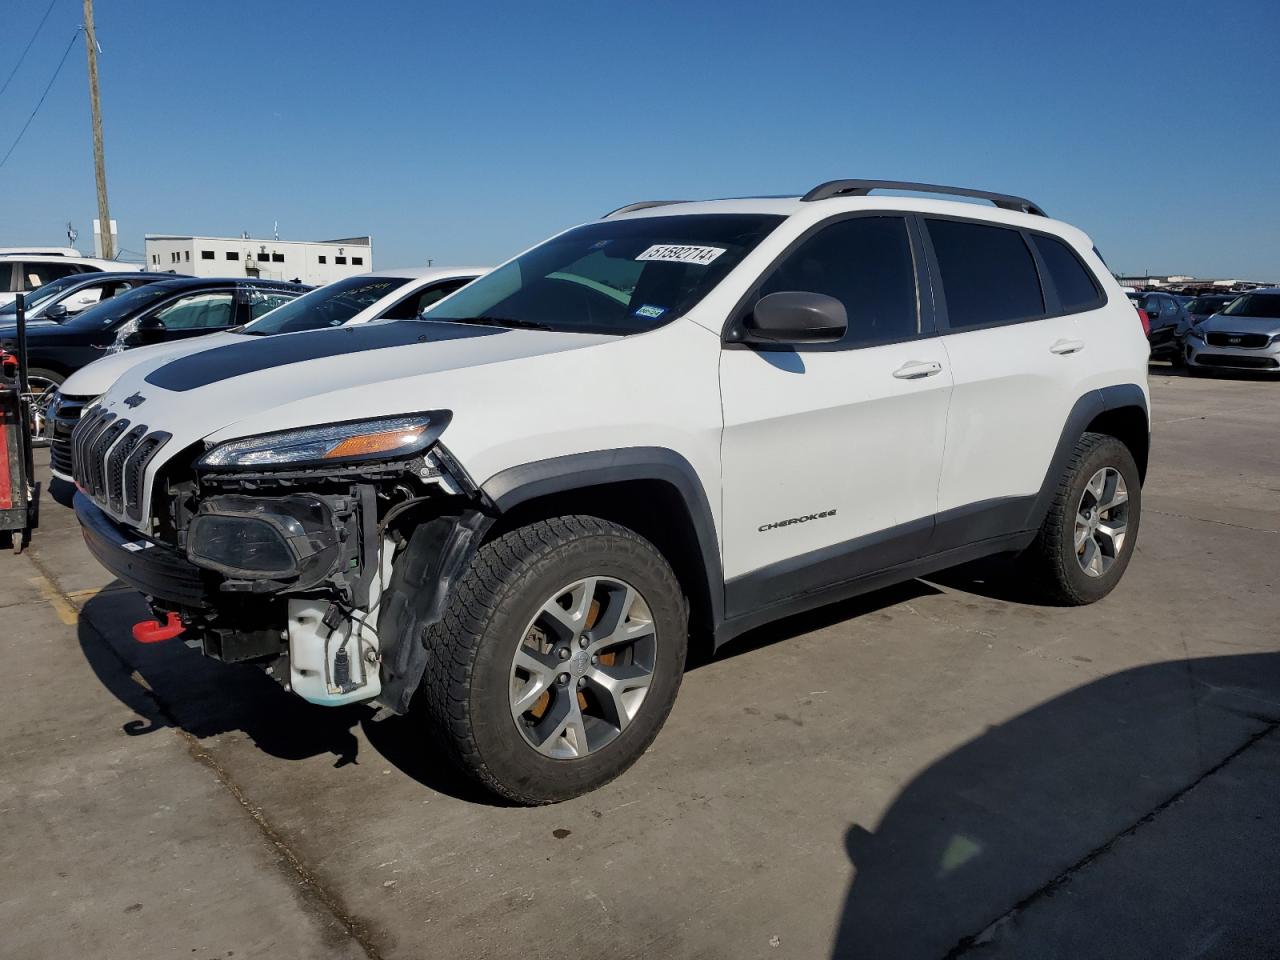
(493, 322)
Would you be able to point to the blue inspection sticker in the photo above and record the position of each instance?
(650, 311)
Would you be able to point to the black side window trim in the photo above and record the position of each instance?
(926, 324)
(1052, 304)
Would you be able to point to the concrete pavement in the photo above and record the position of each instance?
(935, 770)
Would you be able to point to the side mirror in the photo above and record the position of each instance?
(57, 313)
(150, 330)
(795, 317)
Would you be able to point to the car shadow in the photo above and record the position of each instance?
(1000, 826)
(169, 685)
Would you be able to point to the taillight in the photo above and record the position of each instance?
(1146, 322)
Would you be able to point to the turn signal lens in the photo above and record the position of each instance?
(374, 443)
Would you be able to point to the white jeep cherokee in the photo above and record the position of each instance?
(685, 419)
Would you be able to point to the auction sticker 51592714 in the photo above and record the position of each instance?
(681, 253)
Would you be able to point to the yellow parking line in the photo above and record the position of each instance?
(67, 613)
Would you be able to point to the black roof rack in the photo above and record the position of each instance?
(641, 205)
(860, 188)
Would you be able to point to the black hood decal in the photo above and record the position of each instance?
(263, 353)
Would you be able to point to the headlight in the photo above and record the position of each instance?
(382, 439)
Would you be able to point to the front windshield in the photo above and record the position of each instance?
(108, 313)
(1205, 305)
(618, 277)
(44, 293)
(1265, 305)
(329, 306)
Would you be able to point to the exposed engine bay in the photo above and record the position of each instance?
(289, 569)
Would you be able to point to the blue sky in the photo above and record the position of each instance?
(463, 132)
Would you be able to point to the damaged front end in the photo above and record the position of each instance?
(279, 549)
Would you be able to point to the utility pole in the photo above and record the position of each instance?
(99, 165)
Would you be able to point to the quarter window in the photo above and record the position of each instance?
(988, 274)
(866, 264)
(1075, 285)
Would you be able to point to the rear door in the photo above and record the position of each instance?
(832, 453)
(1018, 363)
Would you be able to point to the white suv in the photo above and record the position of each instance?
(683, 420)
(23, 272)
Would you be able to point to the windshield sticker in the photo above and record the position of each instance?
(650, 311)
(681, 253)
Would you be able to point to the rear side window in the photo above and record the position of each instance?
(866, 264)
(988, 274)
(1076, 287)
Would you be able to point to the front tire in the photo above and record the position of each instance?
(557, 660)
(1088, 536)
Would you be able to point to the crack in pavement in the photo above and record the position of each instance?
(309, 883)
(991, 930)
(1221, 523)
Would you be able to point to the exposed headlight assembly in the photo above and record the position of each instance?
(385, 438)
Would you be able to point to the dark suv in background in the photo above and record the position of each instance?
(1169, 321)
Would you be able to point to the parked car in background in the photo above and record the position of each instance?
(168, 309)
(28, 272)
(1203, 307)
(58, 300)
(389, 294)
(1244, 335)
(684, 417)
(1169, 321)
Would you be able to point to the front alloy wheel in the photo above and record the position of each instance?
(582, 671)
(558, 658)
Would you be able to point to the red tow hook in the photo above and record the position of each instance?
(153, 631)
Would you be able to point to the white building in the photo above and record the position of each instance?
(314, 263)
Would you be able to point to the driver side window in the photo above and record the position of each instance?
(198, 312)
(866, 264)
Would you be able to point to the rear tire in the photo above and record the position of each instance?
(476, 687)
(1089, 534)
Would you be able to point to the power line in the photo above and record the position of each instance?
(18, 139)
(27, 48)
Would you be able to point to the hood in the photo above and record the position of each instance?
(299, 379)
(1224, 324)
(9, 331)
(97, 378)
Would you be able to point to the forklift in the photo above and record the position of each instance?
(18, 495)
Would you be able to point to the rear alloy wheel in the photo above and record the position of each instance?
(1089, 532)
(1101, 522)
(557, 660)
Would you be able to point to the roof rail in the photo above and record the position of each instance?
(640, 205)
(860, 188)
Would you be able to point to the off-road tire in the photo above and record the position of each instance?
(466, 687)
(1050, 564)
